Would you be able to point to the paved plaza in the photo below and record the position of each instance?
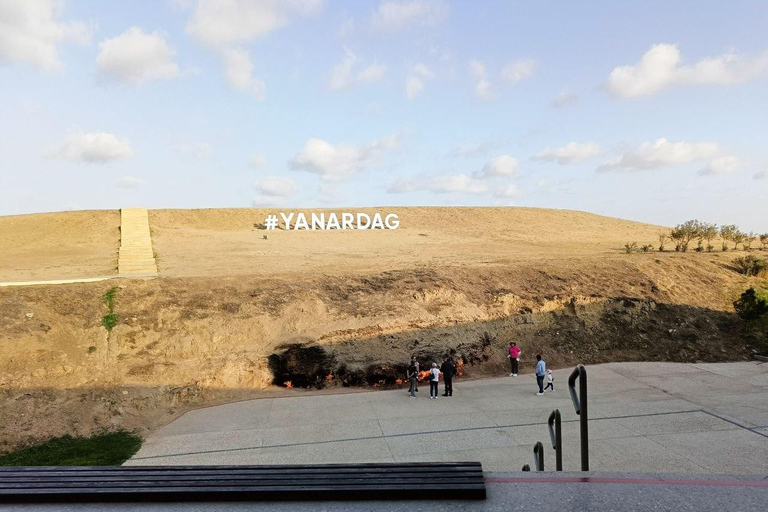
(644, 418)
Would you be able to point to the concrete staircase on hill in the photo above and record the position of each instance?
(136, 255)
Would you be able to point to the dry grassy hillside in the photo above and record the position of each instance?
(59, 245)
(225, 242)
(352, 304)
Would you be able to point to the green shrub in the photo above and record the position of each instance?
(110, 449)
(110, 320)
(91, 349)
(750, 265)
(752, 305)
(630, 247)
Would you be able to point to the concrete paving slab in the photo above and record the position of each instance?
(674, 424)
(239, 415)
(731, 451)
(182, 443)
(320, 432)
(438, 442)
(449, 421)
(639, 453)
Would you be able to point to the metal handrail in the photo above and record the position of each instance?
(556, 436)
(580, 403)
(538, 456)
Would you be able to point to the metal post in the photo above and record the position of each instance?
(580, 403)
(538, 456)
(556, 436)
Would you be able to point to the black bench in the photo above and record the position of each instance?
(400, 481)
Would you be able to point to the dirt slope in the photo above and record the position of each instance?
(227, 300)
(59, 245)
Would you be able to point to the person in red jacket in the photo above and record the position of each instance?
(514, 353)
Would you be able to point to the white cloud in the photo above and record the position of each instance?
(662, 153)
(273, 190)
(227, 25)
(372, 73)
(761, 175)
(570, 153)
(198, 151)
(726, 164)
(503, 165)
(345, 74)
(414, 83)
(399, 14)
(456, 183)
(444, 184)
(518, 71)
(509, 192)
(338, 162)
(483, 89)
(92, 148)
(238, 70)
(330, 194)
(258, 163)
(30, 32)
(129, 182)
(135, 57)
(232, 22)
(660, 68)
(471, 149)
(276, 186)
(565, 98)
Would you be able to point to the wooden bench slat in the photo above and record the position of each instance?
(382, 465)
(218, 483)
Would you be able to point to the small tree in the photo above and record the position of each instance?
(738, 238)
(663, 237)
(684, 233)
(708, 233)
(752, 305)
(763, 241)
(726, 233)
(748, 239)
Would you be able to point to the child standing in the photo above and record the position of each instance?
(434, 377)
(550, 384)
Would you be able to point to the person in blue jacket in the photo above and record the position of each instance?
(541, 372)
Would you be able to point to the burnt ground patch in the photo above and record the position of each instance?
(302, 366)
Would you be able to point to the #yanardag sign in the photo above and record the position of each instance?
(322, 221)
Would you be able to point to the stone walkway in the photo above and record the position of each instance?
(644, 417)
(136, 255)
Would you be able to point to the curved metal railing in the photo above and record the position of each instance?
(580, 403)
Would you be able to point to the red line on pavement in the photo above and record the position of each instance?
(637, 481)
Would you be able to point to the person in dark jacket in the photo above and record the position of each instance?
(413, 375)
(448, 372)
(416, 363)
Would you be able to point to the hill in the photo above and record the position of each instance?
(233, 313)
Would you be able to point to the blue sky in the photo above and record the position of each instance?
(653, 111)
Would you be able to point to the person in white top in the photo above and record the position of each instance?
(550, 385)
(434, 378)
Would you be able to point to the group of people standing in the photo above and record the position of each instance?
(541, 369)
(447, 369)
